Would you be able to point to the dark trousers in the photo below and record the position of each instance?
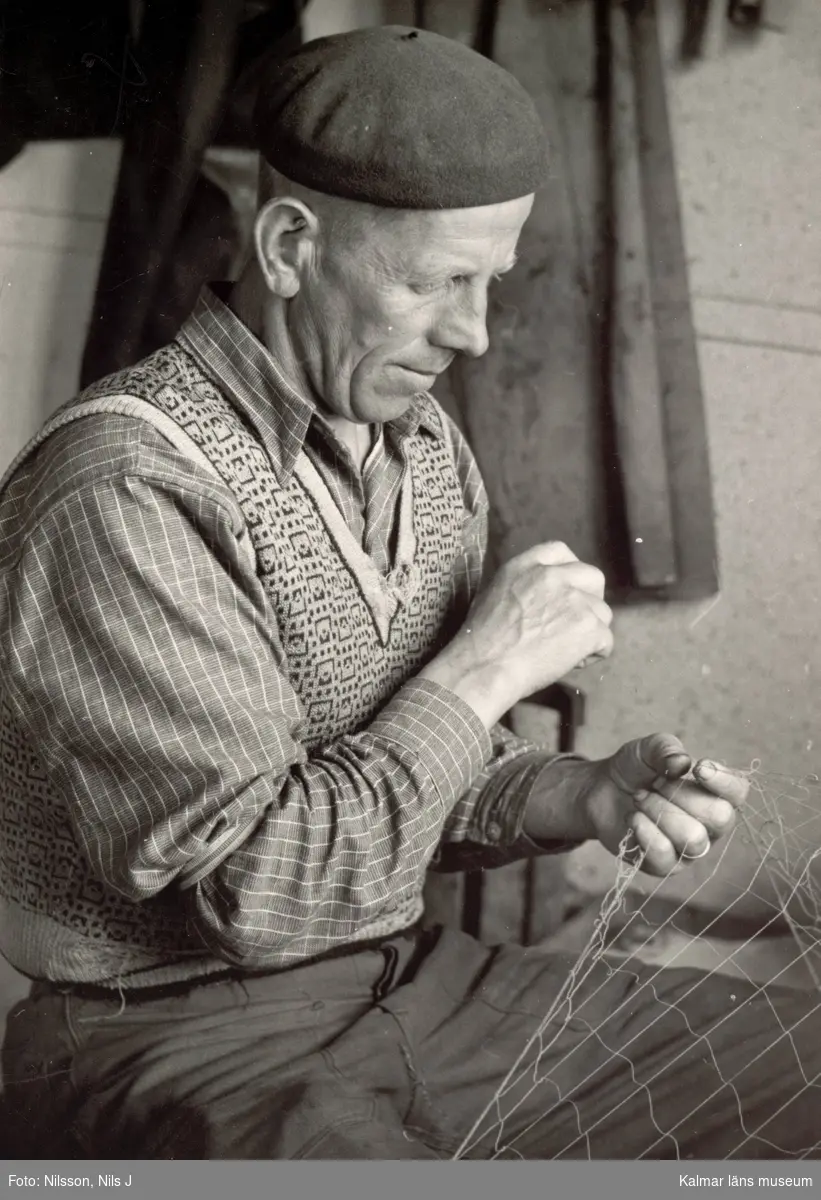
(393, 1053)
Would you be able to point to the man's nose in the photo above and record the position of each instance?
(462, 324)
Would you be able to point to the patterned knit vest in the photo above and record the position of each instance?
(350, 638)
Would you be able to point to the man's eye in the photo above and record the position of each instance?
(440, 285)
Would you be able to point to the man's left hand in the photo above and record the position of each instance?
(675, 813)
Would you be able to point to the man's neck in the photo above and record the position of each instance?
(247, 301)
(357, 439)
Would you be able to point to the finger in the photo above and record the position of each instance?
(584, 578)
(716, 815)
(660, 857)
(685, 832)
(638, 764)
(599, 657)
(666, 752)
(549, 554)
(729, 785)
(601, 610)
(602, 615)
(604, 642)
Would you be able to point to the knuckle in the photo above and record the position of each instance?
(586, 610)
(697, 842)
(597, 576)
(559, 554)
(658, 748)
(659, 846)
(660, 742)
(721, 814)
(734, 791)
(592, 625)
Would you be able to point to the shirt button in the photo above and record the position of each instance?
(494, 831)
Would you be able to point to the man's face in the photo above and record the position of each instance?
(385, 309)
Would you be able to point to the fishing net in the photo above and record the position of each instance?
(778, 832)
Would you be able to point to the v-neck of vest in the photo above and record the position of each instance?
(382, 593)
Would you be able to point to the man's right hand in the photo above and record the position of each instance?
(542, 615)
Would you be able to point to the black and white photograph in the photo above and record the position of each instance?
(410, 596)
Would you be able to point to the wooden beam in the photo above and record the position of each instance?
(685, 425)
(635, 386)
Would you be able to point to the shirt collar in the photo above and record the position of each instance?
(249, 374)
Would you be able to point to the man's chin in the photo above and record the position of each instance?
(386, 406)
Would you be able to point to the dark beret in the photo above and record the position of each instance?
(401, 118)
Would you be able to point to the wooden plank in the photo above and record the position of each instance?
(532, 405)
(562, 412)
(635, 386)
(688, 461)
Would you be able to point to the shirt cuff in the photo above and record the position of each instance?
(502, 807)
(441, 730)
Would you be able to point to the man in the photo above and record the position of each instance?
(250, 694)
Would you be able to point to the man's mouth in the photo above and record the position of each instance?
(421, 373)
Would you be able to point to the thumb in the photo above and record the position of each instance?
(639, 763)
(547, 554)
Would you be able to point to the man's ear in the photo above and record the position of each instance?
(285, 234)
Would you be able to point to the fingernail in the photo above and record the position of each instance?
(707, 769)
(678, 765)
(640, 798)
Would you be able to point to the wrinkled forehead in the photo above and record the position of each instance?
(481, 239)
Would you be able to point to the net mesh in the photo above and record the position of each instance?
(778, 831)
